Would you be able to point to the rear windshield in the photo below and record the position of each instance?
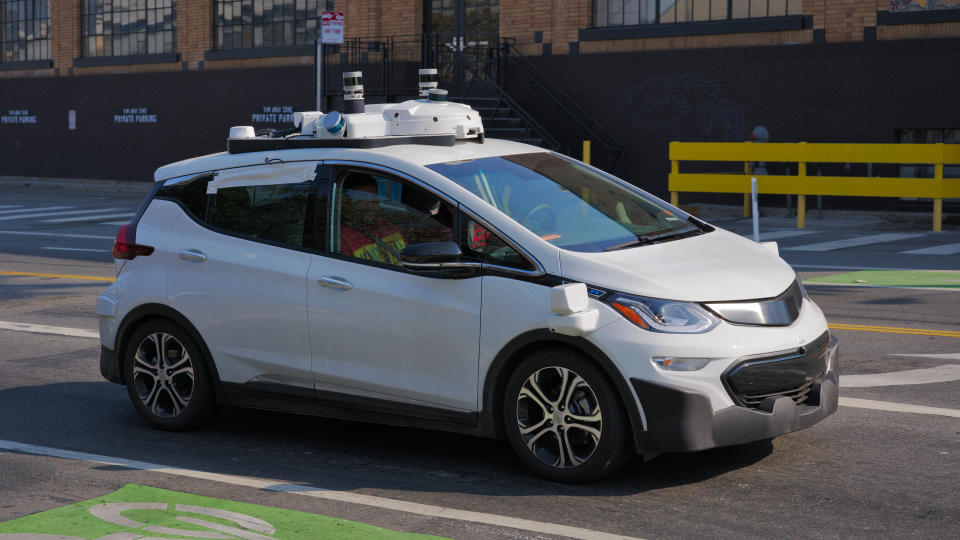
(566, 203)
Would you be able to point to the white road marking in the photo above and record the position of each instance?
(946, 249)
(59, 235)
(896, 407)
(77, 249)
(834, 267)
(44, 329)
(321, 493)
(944, 356)
(944, 373)
(89, 218)
(45, 208)
(854, 242)
(51, 214)
(778, 235)
(114, 222)
(4, 206)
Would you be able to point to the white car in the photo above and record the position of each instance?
(434, 278)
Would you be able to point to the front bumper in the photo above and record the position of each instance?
(682, 420)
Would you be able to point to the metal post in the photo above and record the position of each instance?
(318, 64)
(756, 213)
(674, 195)
(938, 202)
(802, 199)
(586, 152)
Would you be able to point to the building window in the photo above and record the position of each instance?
(637, 12)
(129, 27)
(922, 5)
(25, 30)
(244, 24)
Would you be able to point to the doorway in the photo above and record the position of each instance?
(466, 36)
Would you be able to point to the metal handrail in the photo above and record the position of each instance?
(563, 100)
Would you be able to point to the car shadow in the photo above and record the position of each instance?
(97, 418)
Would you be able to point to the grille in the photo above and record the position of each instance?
(791, 374)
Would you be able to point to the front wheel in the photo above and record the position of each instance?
(564, 418)
(166, 376)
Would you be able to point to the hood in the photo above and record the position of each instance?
(712, 267)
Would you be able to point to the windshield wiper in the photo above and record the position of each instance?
(643, 240)
(638, 241)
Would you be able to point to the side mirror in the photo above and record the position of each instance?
(430, 256)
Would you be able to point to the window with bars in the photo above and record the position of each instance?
(637, 12)
(129, 27)
(245, 24)
(24, 30)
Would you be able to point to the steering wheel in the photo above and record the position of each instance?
(549, 219)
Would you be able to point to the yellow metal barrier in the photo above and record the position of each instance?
(801, 185)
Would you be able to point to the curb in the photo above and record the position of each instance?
(78, 184)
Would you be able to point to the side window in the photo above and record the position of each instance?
(191, 192)
(380, 215)
(478, 241)
(277, 213)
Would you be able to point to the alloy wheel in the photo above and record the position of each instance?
(559, 417)
(163, 375)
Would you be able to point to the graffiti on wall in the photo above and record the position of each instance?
(685, 106)
(921, 5)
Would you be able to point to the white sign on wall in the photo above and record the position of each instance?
(331, 27)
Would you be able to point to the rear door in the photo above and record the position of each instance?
(380, 331)
(238, 271)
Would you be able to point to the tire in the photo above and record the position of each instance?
(178, 397)
(548, 439)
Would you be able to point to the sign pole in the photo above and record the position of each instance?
(331, 31)
(318, 64)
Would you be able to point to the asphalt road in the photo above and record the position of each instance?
(863, 472)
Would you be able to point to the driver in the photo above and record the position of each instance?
(363, 232)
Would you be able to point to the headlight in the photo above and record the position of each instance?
(664, 315)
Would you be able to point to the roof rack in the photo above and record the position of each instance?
(431, 121)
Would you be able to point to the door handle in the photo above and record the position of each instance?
(192, 255)
(335, 282)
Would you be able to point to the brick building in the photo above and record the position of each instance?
(163, 79)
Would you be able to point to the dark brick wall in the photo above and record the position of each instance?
(194, 112)
(849, 92)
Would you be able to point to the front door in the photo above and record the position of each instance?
(467, 31)
(377, 330)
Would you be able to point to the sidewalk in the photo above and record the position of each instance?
(75, 184)
(777, 217)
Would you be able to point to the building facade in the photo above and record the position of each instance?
(164, 79)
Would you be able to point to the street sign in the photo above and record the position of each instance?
(331, 27)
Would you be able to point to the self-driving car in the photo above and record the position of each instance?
(394, 265)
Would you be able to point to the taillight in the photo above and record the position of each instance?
(126, 246)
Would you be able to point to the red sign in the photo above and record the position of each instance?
(331, 27)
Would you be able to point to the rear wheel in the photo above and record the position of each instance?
(166, 376)
(564, 418)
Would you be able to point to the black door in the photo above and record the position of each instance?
(466, 33)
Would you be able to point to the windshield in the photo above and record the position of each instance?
(566, 203)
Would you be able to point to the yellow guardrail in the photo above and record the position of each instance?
(801, 185)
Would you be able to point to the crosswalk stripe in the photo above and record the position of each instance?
(2, 206)
(115, 222)
(88, 218)
(946, 249)
(853, 242)
(60, 213)
(778, 235)
(33, 209)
